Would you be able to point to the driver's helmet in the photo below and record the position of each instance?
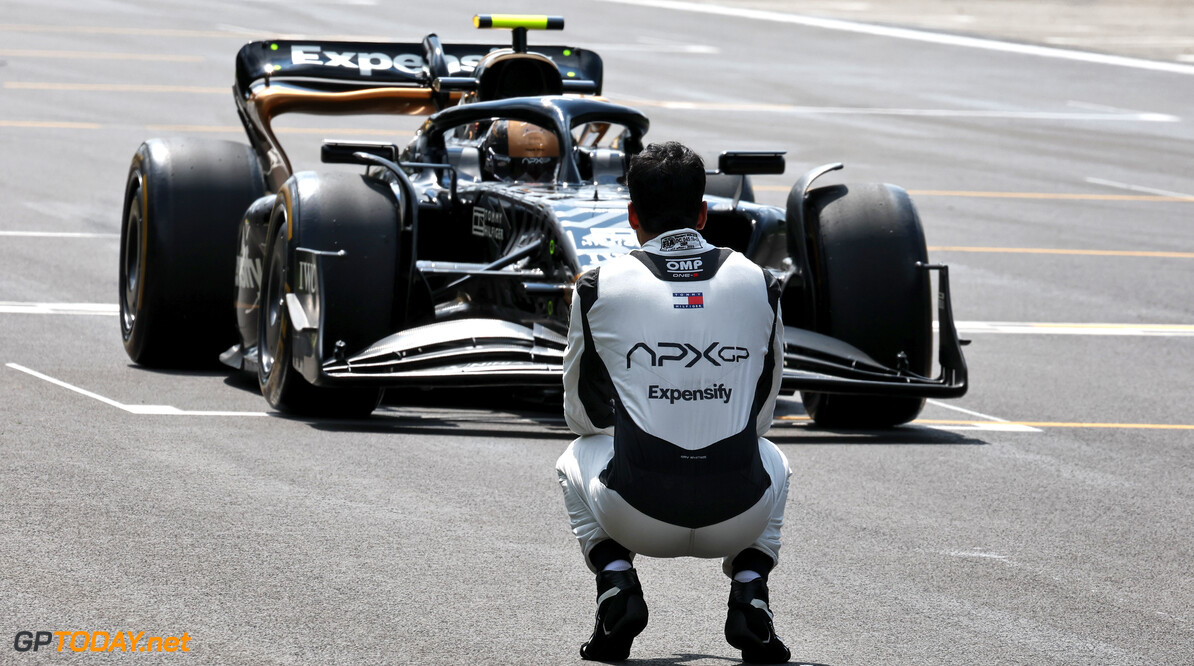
(517, 151)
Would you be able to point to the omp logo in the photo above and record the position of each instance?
(248, 272)
(685, 265)
(308, 278)
(488, 223)
(367, 63)
(676, 352)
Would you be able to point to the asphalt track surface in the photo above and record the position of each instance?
(1042, 519)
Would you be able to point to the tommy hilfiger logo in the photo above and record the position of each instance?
(688, 300)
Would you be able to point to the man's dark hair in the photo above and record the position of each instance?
(667, 185)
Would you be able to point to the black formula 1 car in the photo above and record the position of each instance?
(450, 261)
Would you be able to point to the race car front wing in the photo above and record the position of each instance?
(493, 352)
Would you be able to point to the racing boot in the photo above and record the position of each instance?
(749, 627)
(621, 615)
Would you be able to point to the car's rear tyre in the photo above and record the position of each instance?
(864, 244)
(330, 213)
(183, 201)
(725, 185)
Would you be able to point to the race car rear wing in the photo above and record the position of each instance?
(339, 66)
(346, 77)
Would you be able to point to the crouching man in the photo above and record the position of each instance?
(674, 360)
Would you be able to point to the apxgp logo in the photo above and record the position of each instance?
(716, 353)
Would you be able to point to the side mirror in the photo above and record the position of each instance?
(743, 162)
(342, 152)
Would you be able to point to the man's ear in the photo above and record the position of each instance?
(703, 216)
(632, 215)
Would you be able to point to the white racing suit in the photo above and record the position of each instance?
(674, 360)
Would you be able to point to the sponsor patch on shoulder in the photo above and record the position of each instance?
(680, 242)
(688, 300)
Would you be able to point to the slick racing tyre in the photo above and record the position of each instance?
(183, 201)
(725, 185)
(353, 222)
(864, 243)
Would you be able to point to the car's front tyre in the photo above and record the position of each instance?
(355, 222)
(864, 245)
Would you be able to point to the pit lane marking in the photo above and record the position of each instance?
(1057, 196)
(114, 87)
(154, 410)
(239, 129)
(110, 30)
(12, 307)
(1050, 328)
(1023, 426)
(1139, 188)
(49, 124)
(750, 107)
(941, 38)
(204, 129)
(965, 327)
(998, 426)
(57, 234)
(97, 55)
(1054, 196)
(225, 32)
(1045, 250)
(946, 405)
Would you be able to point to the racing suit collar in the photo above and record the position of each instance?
(677, 241)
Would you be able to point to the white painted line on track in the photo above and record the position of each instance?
(969, 412)
(987, 427)
(156, 410)
(965, 327)
(1022, 328)
(751, 107)
(11, 307)
(57, 234)
(1137, 188)
(655, 47)
(996, 424)
(914, 35)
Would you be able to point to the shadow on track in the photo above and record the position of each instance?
(489, 412)
(682, 659)
(809, 434)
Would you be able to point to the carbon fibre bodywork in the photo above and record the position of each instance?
(484, 267)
